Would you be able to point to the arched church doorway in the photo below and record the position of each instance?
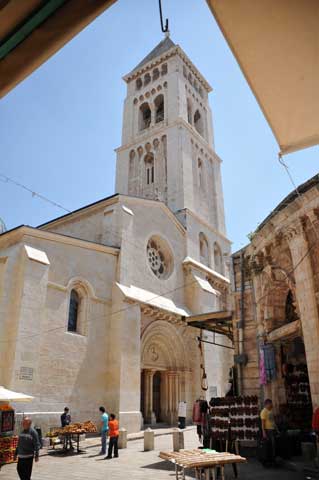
(164, 375)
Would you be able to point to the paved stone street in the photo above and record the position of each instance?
(132, 464)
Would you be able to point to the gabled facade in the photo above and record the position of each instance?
(93, 304)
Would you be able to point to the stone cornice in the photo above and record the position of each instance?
(176, 50)
(101, 206)
(218, 281)
(156, 131)
(16, 235)
(81, 213)
(287, 223)
(295, 229)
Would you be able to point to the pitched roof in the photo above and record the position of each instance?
(161, 48)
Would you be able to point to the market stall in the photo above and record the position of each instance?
(203, 462)
(8, 441)
(71, 434)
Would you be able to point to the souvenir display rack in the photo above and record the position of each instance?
(234, 418)
(298, 395)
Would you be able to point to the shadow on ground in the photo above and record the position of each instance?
(253, 470)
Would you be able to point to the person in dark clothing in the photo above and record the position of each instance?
(65, 417)
(27, 450)
(65, 421)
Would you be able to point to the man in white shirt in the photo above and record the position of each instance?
(182, 414)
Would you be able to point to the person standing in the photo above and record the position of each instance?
(114, 436)
(182, 414)
(269, 428)
(65, 417)
(104, 429)
(27, 450)
(65, 421)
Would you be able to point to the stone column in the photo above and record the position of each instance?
(173, 396)
(148, 395)
(305, 294)
(164, 396)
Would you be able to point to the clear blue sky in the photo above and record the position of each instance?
(59, 128)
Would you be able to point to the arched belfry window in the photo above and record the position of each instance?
(74, 308)
(200, 174)
(145, 116)
(218, 259)
(203, 249)
(198, 122)
(149, 168)
(159, 108)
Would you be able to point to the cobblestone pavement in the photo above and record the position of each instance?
(133, 464)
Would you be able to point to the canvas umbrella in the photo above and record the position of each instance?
(10, 396)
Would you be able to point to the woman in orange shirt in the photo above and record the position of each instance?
(114, 436)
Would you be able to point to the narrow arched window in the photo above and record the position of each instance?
(159, 108)
(189, 111)
(147, 79)
(149, 168)
(164, 69)
(156, 74)
(198, 122)
(201, 182)
(74, 308)
(218, 259)
(139, 84)
(203, 249)
(145, 116)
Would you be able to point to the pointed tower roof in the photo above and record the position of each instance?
(161, 48)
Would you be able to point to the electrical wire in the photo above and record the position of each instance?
(110, 229)
(6, 179)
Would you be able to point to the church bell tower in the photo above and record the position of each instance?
(167, 150)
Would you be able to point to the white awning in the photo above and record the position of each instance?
(150, 298)
(10, 396)
(276, 44)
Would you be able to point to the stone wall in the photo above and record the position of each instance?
(281, 297)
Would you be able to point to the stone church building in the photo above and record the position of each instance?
(94, 304)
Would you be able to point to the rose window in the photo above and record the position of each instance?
(159, 258)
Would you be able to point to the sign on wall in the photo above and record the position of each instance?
(26, 373)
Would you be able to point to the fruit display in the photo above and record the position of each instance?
(74, 429)
(8, 446)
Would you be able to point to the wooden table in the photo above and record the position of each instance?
(204, 463)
